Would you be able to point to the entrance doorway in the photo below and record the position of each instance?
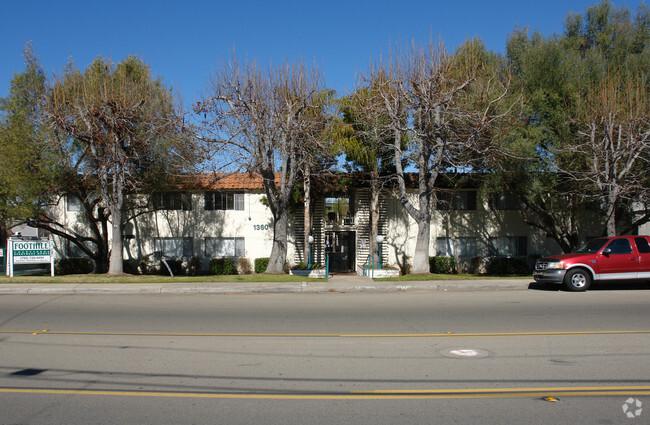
(340, 248)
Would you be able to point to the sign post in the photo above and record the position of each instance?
(29, 251)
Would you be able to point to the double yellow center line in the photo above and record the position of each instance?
(331, 335)
(466, 393)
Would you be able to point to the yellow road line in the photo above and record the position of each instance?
(324, 335)
(372, 395)
(507, 390)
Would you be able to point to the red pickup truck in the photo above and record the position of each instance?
(614, 258)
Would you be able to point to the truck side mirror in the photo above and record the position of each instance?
(607, 251)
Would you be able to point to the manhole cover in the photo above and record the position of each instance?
(465, 353)
(469, 353)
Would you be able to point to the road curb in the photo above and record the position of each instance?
(263, 287)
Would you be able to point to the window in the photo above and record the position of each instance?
(619, 246)
(174, 247)
(463, 200)
(509, 246)
(224, 201)
(642, 245)
(503, 201)
(172, 201)
(592, 246)
(73, 203)
(463, 247)
(224, 247)
(444, 247)
(339, 211)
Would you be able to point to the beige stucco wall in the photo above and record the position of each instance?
(481, 223)
(255, 224)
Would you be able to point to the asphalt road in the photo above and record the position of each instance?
(479, 357)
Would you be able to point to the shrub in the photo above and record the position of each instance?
(73, 266)
(304, 266)
(130, 266)
(175, 265)
(442, 265)
(405, 267)
(477, 265)
(221, 266)
(244, 266)
(194, 266)
(151, 264)
(505, 266)
(261, 264)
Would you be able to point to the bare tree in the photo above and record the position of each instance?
(614, 127)
(446, 105)
(264, 118)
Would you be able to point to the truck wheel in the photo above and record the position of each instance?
(577, 280)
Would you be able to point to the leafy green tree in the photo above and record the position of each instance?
(368, 148)
(25, 164)
(549, 166)
(35, 174)
(317, 155)
(529, 167)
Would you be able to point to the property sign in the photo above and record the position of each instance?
(37, 251)
(31, 252)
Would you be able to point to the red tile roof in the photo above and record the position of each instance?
(226, 181)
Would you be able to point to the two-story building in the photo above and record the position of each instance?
(228, 217)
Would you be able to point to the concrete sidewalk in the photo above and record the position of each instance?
(335, 284)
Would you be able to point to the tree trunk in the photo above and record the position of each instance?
(101, 262)
(421, 255)
(307, 204)
(611, 221)
(374, 221)
(115, 266)
(116, 206)
(279, 249)
(610, 208)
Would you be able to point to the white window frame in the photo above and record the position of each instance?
(458, 200)
(508, 246)
(73, 203)
(503, 202)
(230, 247)
(220, 201)
(174, 247)
(463, 246)
(172, 201)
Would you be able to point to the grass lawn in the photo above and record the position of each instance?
(432, 276)
(126, 278)
(257, 277)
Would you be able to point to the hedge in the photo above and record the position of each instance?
(73, 266)
(506, 266)
(221, 266)
(442, 265)
(261, 264)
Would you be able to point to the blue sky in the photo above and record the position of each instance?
(184, 41)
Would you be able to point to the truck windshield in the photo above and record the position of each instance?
(592, 246)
